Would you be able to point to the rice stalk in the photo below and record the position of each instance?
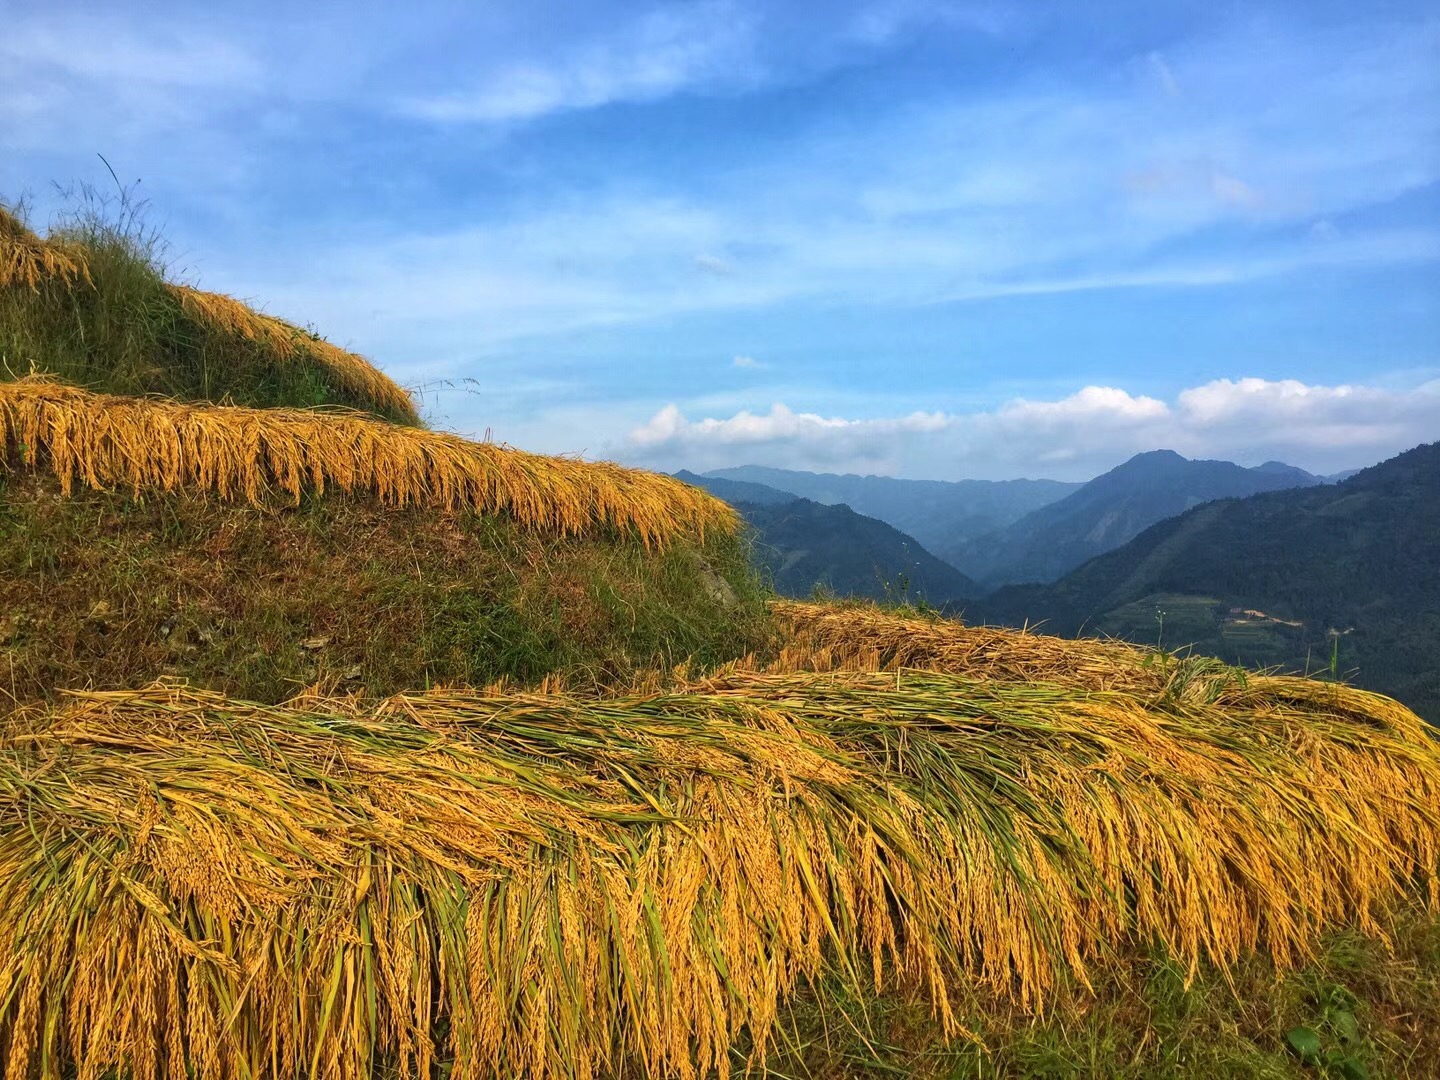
(287, 341)
(27, 260)
(861, 637)
(545, 885)
(239, 453)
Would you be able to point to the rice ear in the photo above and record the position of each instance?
(193, 883)
(27, 260)
(227, 315)
(105, 440)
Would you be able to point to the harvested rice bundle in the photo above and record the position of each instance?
(105, 440)
(829, 637)
(27, 260)
(865, 636)
(546, 885)
(352, 371)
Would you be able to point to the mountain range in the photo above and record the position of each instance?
(940, 514)
(1343, 575)
(1025, 531)
(1100, 516)
(1269, 566)
(803, 545)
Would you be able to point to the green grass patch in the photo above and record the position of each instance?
(106, 590)
(1360, 1011)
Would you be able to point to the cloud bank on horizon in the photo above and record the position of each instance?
(987, 235)
(1250, 421)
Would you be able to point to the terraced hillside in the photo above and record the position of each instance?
(261, 815)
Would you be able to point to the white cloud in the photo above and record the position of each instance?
(1233, 191)
(664, 52)
(1250, 420)
(1311, 418)
(779, 424)
(1093, 404)
(748, 362)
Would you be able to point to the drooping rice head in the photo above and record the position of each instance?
(26, 260)
(864, 636)
(238, 453)
(352, 371)
(544, 885)
(826, 637)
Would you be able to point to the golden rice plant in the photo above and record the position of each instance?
(352, 371)
(240, 453)
(543, 885)
(865, 637)
(26, 259)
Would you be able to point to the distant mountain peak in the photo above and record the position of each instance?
(1109, 510)
(1259, 579)
(1280, 468)
(1149, 462)
(1159, 455)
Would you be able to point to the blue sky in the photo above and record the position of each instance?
(924, 239)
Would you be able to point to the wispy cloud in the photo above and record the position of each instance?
(661, 53)
(109, 51)
(713, 264)
(885, 21)
(748, 362)
(605, 200)
(1108, 190)
(156, 99)
(1164, 74)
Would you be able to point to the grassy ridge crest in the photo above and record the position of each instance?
(287, 341)
(91, 303)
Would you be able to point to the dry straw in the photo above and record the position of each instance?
(26, 260)
(106, 441)
(863, 637)
(547, 886)
(353, 372)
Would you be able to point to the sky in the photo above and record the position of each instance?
(924, 239)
